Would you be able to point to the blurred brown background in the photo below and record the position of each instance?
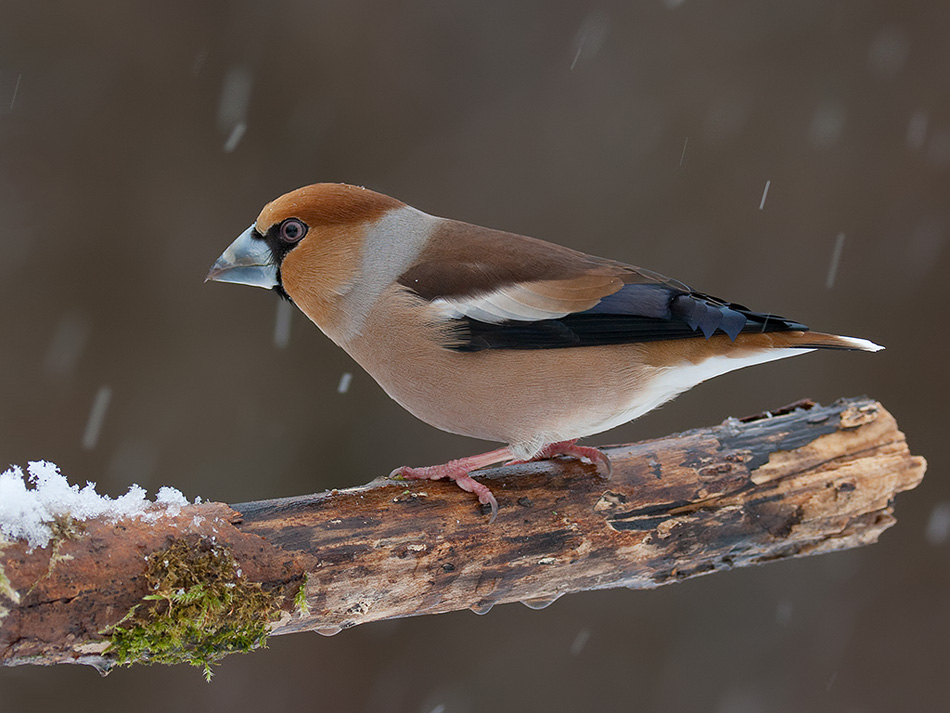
(138, 139)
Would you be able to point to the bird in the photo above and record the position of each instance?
(494, 335)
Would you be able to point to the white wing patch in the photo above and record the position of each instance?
(494, 308)
(530, 301)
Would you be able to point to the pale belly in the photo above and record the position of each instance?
(530, 398)
(523, 398)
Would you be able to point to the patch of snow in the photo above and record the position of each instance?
(27, 513)
(172, 499)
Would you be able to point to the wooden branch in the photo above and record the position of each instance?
(801, 481)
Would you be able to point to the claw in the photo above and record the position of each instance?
(397, 474)
(485, 497)
(595, 456)
(459, 470)
(572, 450)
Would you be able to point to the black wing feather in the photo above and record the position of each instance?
(636, 313)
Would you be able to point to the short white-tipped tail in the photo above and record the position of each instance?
(864, 345)
(818, 340)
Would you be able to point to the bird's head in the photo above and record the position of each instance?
(305, 245)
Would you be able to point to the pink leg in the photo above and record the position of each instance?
(458, 470)
(571, 449)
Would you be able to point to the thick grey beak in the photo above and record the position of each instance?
(247, 261)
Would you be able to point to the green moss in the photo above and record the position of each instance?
(300, 600)
(199, 610)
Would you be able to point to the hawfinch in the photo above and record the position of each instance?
(494, 335)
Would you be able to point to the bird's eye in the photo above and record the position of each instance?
(292, 230)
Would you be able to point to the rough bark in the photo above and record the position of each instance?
(804, 480)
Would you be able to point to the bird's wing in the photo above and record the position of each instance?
(498, 290)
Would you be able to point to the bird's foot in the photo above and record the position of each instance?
(571, 449)
(458, 470)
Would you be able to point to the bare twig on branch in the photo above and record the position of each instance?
(805, 480)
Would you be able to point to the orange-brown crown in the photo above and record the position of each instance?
(327, 204)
